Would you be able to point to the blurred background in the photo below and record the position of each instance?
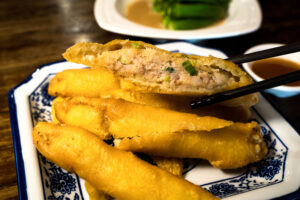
(33, 33)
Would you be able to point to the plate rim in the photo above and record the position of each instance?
(19, 161)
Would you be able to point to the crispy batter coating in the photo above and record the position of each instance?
(172, 165)
(80, 115)
(125, 119)
(117, 173)
(227, 148)
(144, 65)
(93, 82)
(95, 194)
(53, 114)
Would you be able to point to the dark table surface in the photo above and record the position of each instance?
(33, 33)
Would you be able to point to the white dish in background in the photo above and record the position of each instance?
(244, 17)
(280, 91)
(276, 175)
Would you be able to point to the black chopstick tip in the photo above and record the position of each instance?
(203, 101)
(193, 105)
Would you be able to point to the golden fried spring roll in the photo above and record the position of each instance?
(159, 71)
(117, 173)
(171, 165)
(125, 119)
(227, 148)
(82, 82)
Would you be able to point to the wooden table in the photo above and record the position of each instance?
(33, 33)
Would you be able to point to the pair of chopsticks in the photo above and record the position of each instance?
(258, 86)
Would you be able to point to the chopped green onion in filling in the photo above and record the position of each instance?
(167, 79)
(124, 61)
(170, 69)
(135, 45)
(187, 65)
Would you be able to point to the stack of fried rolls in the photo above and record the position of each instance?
(116, 100)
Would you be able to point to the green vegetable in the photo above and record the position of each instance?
(195, 10)
(187, 65)
(156, 6)
(170, 69)
(124, 61)
(224, 3)
(186, 24)
(167, 79)
(190, 14)
(135, 45)
(193, 1)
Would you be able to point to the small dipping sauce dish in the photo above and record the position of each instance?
(271, 67)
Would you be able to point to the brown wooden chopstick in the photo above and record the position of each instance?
(258, 86)
(277, 51)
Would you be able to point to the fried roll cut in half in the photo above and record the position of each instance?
(117, 173)
(227, 148)
(159, 71)
(125, 119)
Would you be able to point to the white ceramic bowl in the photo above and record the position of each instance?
(280, 91)
(244, 17)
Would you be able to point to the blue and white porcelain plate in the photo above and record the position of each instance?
(275, 176)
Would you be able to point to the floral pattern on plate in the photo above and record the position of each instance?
(58, 184)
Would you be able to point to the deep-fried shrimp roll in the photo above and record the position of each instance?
(172, 165)
(227, 148)
(125, 119)
(117, 173)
